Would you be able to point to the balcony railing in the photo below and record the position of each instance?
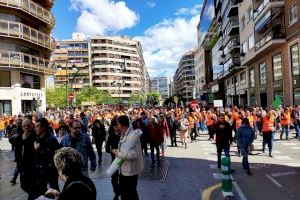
(271, 34)
(31, 8)
(261, 7)
(233, 22)
(18, 30)
(12, 59)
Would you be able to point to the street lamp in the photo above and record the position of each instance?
(119, 83)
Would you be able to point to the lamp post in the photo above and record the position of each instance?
(119, 83)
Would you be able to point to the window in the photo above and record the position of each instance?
(262, 73)
(251, 41)
(295, 59)
(251, 78)
(251, 13)
(243, 77)
(30, 81)
(5, 79)
(296, 97)
(293, 18)
(5, 107)
(277, 67)
(245, 46)
(242, 23)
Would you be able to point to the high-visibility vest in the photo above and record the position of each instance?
(284, 120)
(210, 120)
(268, 124)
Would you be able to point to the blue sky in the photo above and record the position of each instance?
(166, 28)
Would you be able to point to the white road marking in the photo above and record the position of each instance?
(209, 149)
(295, 147)
(217, 176)
(276, 152)
(284, 174)
(239, 191)
(283, 157)
(213, 166)
(274, 181)
(293, 164)
(289, 144)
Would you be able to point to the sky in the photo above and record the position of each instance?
(166, 28)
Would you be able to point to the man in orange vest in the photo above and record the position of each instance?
(285, 123)
(268, 124)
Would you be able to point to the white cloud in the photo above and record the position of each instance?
(189, 11)
(165, 43)
(103, 16)
(151, 4)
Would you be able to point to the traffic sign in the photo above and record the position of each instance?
(71, 96)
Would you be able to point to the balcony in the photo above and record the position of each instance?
(271, 38)
(21, 31)
(233, 26)
(12, 60)
(31, 8)
(265, 6)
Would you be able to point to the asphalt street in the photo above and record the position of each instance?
(189, 173)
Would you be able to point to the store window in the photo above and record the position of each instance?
(262, 73)
(251, 78)
(297, 97)
(5, 79)
(5, 107)
(30, 81)
(295, 59)
(243, 77)
(293, 17)
(277, 67)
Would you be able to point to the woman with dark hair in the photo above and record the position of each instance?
(99, 134)
(245, 136)
(62, 131)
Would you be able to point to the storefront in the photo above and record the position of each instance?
(14, 101)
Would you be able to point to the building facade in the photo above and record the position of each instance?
(25, 50)
(270, 50)
(184, 78)
(73, 60)
(161, 86)
(118, 66)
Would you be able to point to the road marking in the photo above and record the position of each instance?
(239, 191)
(295, 147)
(213, 166)
(273, 180)
(209, 149)
(283, 157)
(207, 192)
(289, 144)
(217, 176)
(276, 152)
(284, 174)
(293, 164)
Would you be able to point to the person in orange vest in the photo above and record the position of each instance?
(209, 123)
(285, 123)
(268, 126)
(236, 124)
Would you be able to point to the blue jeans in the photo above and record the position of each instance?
(267, 139)
(297, 129)
(245, 162)
(286, 129)
(1, 134)
(203, 126)
(219, 152)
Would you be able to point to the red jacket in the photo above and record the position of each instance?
(156, 136)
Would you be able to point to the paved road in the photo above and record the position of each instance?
(191, 171)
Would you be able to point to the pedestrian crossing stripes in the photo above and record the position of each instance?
(283, 157)
(295, 147)
(289, 144)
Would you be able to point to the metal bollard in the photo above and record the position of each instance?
(226, 177)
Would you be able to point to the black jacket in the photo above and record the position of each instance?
(223, 136)
(112, 143)
(99, 134)
(78, 187)
(24, 153)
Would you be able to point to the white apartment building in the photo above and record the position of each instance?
(161, 86)
(118, 66)
(25, 50)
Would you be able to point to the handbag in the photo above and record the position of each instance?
(183, 127)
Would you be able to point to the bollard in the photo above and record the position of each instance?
(226, 177)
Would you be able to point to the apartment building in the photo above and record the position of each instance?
(25, 50)
(161, 86)
(184, 77)
(73, 63)
(270, 39)
(118, 66)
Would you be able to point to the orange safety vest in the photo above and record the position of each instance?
(55, 124)
(284, 120)
(210, 120)
(268, 124)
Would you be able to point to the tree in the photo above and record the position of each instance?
(92, 94)
(175, 100)
(137, 98)
(153, 98)
(56, 97)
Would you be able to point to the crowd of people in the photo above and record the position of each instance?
(59, 143)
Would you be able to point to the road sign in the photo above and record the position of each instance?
(71, 96)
